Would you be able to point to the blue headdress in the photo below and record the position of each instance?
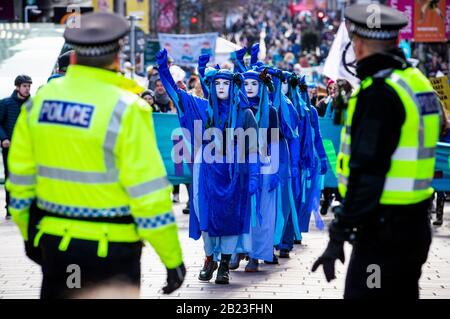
(294, 94)
(236, 100)
(280, 101)
(304, 92)
(265, 84)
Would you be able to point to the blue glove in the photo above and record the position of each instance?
(274, 181)
(241, 53)
(323, 167)
(253, 186)
(203, 60)
(254, 53)
(161, 58)
(254, 178)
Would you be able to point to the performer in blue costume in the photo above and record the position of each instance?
(313, 183)
(287, 218)
(258, 244)
(289, 154)
(311, 145)
(221, 189)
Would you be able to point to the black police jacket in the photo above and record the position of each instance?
(375, 134)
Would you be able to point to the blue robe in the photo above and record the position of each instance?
(314, 182)
(258, 244)
(289, 159)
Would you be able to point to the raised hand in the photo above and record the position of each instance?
(203, 60)
(241, 53)
(254, 53)
(161, 57)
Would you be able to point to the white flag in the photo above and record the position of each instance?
(334, 67)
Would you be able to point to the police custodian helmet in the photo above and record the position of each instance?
(98, 34)
(374, 21)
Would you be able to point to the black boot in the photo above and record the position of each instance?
(208, 269)
(223, 274)
(284, 253)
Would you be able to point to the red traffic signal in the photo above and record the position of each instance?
(194, 20)
(320, 15)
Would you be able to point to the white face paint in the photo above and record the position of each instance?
(222, 89)
(284, 87)
(251, 87)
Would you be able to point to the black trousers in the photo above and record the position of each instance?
(398, 247)
(59, 268)
(5, 167)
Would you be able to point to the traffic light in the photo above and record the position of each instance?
(320, 18)
(320, 15)
(194, 20)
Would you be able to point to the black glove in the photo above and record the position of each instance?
(335, 250)
(175, 278)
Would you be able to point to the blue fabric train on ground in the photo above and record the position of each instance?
(221, 192)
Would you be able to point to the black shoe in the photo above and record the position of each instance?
(273, 262)
(223, 274)
(208, 269)
(186, 211)
(297, 242)
(438, 222)
(284, 253)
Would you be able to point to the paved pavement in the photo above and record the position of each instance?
(292, 278)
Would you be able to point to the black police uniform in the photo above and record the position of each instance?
(394, 237)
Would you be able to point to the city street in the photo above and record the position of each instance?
(292, 278)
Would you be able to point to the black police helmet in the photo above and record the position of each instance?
(20, 79)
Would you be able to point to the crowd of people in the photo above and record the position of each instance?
(293, 41)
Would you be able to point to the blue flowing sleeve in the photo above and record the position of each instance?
(201, 72)
(289, 122)
(189, 108)
(318, 144)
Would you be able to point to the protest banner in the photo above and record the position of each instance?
(442, 88)
(186, 48)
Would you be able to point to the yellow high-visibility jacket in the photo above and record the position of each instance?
(85, 147)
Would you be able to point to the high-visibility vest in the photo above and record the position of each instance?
(408, 180)
(85, 147)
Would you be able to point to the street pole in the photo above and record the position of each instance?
(153, 16)
(133, 44)
(133, 20)
(342, 8)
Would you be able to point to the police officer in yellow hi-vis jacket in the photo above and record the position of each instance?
(385, 164)
(87, 182)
